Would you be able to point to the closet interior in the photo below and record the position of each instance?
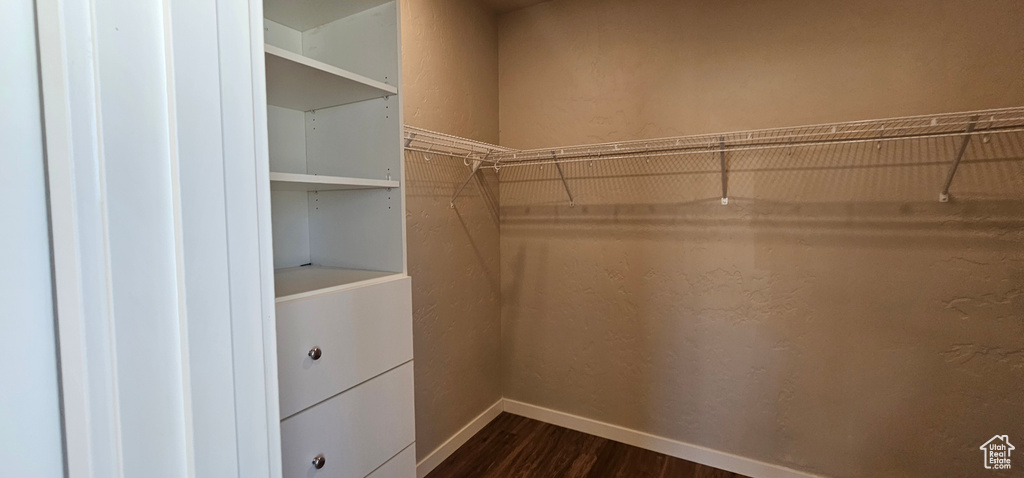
(338, 149)
(608, 224)
(496, 238)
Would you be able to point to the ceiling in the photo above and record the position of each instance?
(502, 6)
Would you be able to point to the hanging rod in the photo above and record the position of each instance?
(1005, 120)
(995, 121)
(719, 148)
(964, 125)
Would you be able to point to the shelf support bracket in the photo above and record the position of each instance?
(558, 166)
(944, 195)
(474, 166)
(408, 140)
(725, 178)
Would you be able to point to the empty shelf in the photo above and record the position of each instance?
(300, 83)
(311, 182)
(298, 282)
(305, 14)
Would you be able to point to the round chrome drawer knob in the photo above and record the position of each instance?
(319, 462)
(314, 353)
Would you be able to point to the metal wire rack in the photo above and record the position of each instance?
(434, 143)
(965, 125)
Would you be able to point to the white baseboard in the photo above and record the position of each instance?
(428, 463)
(686, 451)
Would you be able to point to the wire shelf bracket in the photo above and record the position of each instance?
(725, 176)
(944, 195)
(565, 184)
(474, 167)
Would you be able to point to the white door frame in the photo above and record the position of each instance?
(93, 384)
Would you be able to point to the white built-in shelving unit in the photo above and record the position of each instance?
(334, 130)
(344, 313)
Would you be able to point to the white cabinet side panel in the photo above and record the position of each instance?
(289, 212)
(365, 43)
(286, 130)
(399, 133)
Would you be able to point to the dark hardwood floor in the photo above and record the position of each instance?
(515, 447)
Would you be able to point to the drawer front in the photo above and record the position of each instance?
(403, 465)
(356, 432)
(359, 333)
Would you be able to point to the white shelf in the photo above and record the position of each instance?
(311, 182)
(298, 282)
(305, 14)
(300, 83)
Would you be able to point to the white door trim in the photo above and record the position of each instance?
(70, 77)
(88, 359)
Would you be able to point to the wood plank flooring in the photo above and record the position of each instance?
(515, 447)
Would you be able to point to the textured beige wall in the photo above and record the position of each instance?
(582, 71)
(834, 317)
(449, 67)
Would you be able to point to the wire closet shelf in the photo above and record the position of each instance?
(431, 142)
(964, 125)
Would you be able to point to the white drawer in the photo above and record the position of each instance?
(360, 333)
(356, 431)
(403, 465)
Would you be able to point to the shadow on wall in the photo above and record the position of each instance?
(454, 263)
(437, 177)
(431, 184)
(854, 191)
(831, 314)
